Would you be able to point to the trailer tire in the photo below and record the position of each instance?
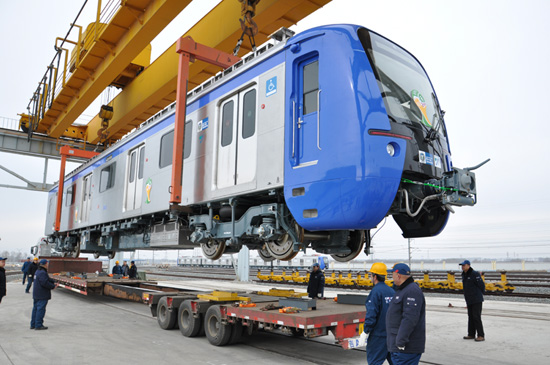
(218, 334)
(188, 324)
(165, 317)
(236, 333)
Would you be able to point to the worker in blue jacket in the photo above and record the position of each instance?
(41, 293)
(375, 320)
(25, 269)
(406, 318)
(117, 269)
(473, 287)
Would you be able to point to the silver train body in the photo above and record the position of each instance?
(105, 199)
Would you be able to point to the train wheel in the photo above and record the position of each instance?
(213, 250)
(165, 317)
(189, 325)
(218, 334)
(111, 255)
(282, 249)
(355, 242)
(264, 254)
(97, 255)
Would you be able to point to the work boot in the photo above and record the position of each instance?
(41, 328)
(468, 337)
(479, 339)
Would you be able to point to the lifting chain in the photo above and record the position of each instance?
(105, 113)
(249, 27)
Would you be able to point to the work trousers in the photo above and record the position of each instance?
(29, 284)
(401, 358)
(474, 320)
(377, 350)
(38, 313)
(24, 277)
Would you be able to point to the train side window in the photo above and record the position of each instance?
(107, 177)
(187, 140)
(132, 176)
(70, 195)
(310, 86)
(52, 200)
(141, 162)
(249, 114)
(227, 123)
(166, 149)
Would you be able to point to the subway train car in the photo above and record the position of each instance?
(304, 262)
(309, 142)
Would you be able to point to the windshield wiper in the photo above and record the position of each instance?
(440, 113)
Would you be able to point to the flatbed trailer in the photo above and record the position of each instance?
(227, 321)
(102, 285)
(228, 317)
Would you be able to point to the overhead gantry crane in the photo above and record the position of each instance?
(115, 50)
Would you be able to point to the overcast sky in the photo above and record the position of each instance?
(488, 62)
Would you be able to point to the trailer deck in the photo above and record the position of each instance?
(225, 317)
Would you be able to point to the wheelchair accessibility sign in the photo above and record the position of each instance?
(271, 86)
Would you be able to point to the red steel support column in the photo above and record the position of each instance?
(64, 152)
(189, 51)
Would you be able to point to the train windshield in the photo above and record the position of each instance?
(405, 87)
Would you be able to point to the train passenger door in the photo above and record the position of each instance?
(237, 149)
(227, 148)
(86, 197)
(247, 151)
(307, 112)
(134, 182)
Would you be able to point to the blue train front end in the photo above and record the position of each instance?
(364, 138)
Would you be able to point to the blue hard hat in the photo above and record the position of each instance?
(465, 262)
(43, 262)
(3, 258)
(402, 269)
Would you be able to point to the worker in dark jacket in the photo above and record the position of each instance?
(406, 318)
(375, 320)
(132, 272)
(30, 273)
(41, 293)
(25, 269)
(2, 278)
(316, 284)
(473, 287)
(117, 269)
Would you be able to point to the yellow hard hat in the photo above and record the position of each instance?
(379, 268)
(35, 259)
(116, 262)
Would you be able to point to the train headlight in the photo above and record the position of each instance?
(390, 149)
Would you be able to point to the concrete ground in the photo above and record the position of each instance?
(99, 330)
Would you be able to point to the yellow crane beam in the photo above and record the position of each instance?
(155, 87)
(113, 47)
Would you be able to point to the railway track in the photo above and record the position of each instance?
(228, 275)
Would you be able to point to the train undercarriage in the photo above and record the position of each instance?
(218, 228)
